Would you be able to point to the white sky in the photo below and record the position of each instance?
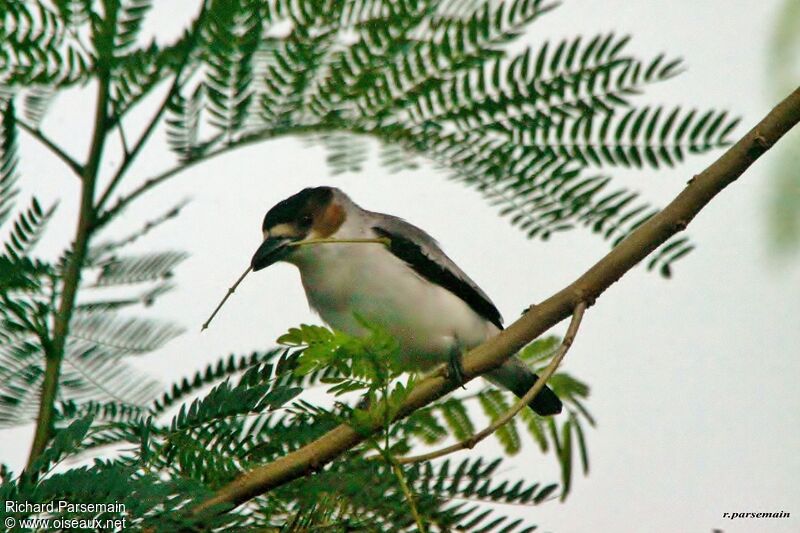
(694, 380)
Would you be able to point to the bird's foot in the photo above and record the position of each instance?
(364, 403)
(455, 370)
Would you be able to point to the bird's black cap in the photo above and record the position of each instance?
(305, 203)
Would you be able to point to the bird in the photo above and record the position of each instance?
(409, 287)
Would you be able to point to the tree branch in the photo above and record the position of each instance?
(37, 134)
(107, 215)
(639, 244)
(130, 156)
(401, 479)
(123, 139)
(72, 273)
(523, 402)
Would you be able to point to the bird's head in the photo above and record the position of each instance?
(313, 213)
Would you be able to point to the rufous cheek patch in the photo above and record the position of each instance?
(330, 221)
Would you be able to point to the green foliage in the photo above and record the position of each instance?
(99, 335)
(210, 375)
(494, 405)
(103, 252)
(370, 364)
(448, 497)
(253, 394)
(372, 357)
(456, 416)
(251, 415)
(148, 501)
(28, 229)
(183, 125)
(66, 442)
(39, 46)
(346, 153)
(533, 132)
(138, 269)
(8, 160)
(232, 35)
(537, 133)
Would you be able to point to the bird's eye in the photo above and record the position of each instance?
(306, 220)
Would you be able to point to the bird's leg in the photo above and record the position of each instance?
(364, 403)
(455, 370)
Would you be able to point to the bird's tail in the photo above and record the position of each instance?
(516, 377)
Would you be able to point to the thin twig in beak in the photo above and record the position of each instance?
(382, 240)
(231, 290)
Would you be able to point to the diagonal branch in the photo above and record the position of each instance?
(123, 139)
(523, 402)
(122, 202)
(674, 218)
(37, 134)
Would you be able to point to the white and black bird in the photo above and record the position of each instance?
(410, 287)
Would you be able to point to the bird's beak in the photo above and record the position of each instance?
(272, 250)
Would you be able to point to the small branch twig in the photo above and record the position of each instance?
(381, 240)
(123, 139)
(152, 182)
(130, 155)
(633, 249)
(398, 472)
(37, 134)
(232, 288)
(523, 402)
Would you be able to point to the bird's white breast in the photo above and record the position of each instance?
(343, 281)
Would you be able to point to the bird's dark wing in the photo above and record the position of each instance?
(420, 252)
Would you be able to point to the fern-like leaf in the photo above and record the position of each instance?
(495, 405)
(123, 335)
(138, 269)
(28, 229)
(8, 161)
